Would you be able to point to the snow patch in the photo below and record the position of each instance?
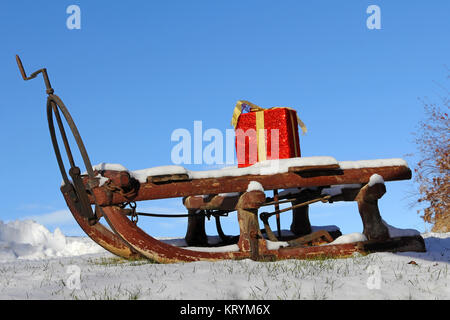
(393, 232)
(109, 166)
(29, 240)
(229, 248)
(255, 186)
(272, 245)
(141, 175)
(375, 179)
(372, 163)
(102, 180)
(260, 168)
(349, 238)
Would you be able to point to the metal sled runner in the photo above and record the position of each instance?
(111, 193)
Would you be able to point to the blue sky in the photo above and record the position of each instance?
(138, 70)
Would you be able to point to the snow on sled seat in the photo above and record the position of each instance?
(177, 181)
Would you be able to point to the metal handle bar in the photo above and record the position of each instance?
(34, 74)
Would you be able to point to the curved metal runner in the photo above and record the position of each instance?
(155, 249)
(97, 232)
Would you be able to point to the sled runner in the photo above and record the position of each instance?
(112, 193)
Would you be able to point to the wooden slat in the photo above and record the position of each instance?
(167, 178)
(215, 203)
(314, 168)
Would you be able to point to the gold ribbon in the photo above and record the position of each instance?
(260, 136)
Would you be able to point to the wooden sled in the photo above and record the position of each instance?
(111, 193)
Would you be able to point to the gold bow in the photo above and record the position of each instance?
(253, 108)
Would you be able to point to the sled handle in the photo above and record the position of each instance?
(34, 74)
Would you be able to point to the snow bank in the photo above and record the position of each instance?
(103, 277)
(30, 240)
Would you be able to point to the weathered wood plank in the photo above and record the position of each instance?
(367, 199)
(314, 168)
(167, 178)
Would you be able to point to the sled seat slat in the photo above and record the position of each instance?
(296, 169)
(167, 178)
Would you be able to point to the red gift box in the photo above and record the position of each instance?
(265, 134)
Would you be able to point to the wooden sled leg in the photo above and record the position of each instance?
(375, 230)
(367, 199)
(251, 239)
(249, 232)
(300, 220)
(196, 234)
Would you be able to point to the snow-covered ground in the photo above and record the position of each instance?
(38, 264)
